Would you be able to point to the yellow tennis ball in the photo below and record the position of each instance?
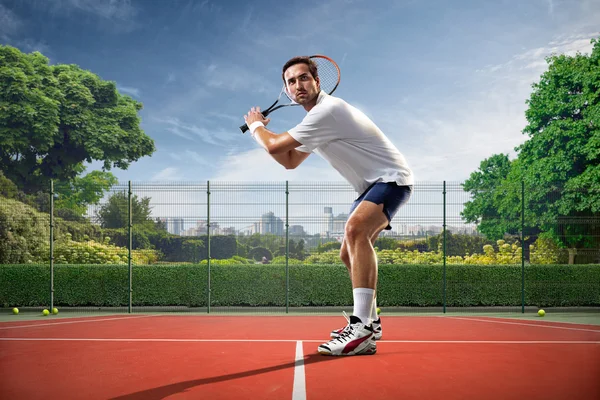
(45, 312)
(15, 310)
(541, 313)
(55, 311)
(378, 310)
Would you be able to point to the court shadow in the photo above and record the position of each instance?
(164, 391)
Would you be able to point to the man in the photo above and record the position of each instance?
(362, 154)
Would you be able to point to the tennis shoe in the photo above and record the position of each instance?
(377, 331)
(356, 339)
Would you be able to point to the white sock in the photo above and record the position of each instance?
(374, 316)
(363, 303)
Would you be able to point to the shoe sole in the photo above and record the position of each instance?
(362, 353)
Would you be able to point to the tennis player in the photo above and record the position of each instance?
(367, 159)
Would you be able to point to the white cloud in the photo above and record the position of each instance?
(167, 174)
(9, 22)
(237, 78)
(109, 9)
(185, 156)
(129, 90)
(188, 131)
(234, 118)
(257, 165)
(550, 7)
(534, 59)
(448, 138)
(10, 27)
(29, 45)
(177, 132)
(196, 157)
(114, 16)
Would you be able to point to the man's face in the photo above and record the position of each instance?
(300, 84)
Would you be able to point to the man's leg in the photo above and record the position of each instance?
(345, 257)
(359, 256)
(365, 223)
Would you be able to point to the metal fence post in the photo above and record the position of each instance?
(208, 240)
(51, 245)
(522, 247)
(287, 247)
(130, 246)
(444, 247)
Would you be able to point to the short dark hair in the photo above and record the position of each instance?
(312, 66)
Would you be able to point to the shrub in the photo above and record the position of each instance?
(24, 233)
(67, 251)
(546, 250)
(281, 260)
(259, 252)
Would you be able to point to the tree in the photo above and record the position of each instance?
(485, 185)
(559, 163)
(115, 213)
(386, 243)
(299, 252)
(257, 253)
(55, 118)
(80, 192)
(7, 188)
(296, 250)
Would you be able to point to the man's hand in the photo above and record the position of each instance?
(255, 115)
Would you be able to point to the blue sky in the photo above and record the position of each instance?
(447, 81)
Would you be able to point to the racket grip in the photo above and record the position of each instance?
(244, 127)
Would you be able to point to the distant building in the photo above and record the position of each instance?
(174, 225)
(333, 226)
(269, 223)
(297, 230)
(201, 229)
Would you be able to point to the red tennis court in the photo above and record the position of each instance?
(274, 357)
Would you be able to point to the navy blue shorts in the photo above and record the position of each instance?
(389, 193)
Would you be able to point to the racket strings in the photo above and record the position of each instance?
(328, 74)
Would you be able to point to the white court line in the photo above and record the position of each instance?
(73, 322)
(524, 324)
(299, 391)
(148, 340)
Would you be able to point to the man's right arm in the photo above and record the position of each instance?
(290, 159)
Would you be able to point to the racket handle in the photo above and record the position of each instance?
(244, 127)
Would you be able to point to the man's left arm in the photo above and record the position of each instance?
(274, 143)
(270, 141)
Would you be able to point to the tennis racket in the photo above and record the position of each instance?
(329, 76)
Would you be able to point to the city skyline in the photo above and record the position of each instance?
(276, 227)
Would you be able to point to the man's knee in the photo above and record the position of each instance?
(355, 231)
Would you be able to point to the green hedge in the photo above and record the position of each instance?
(309, 285)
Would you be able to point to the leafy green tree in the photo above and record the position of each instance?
(7, 188)
(299, 252)
(258, 253)
(458, 244)
(115, 213)
(24, 233)
(296, 250)
(562, 157)
(55, 118)
(83, 191)
(328, 246)
(386, 243)
(559, 163)
(192, 249)
(485, 185)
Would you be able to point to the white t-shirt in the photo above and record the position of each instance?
(351, 143)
